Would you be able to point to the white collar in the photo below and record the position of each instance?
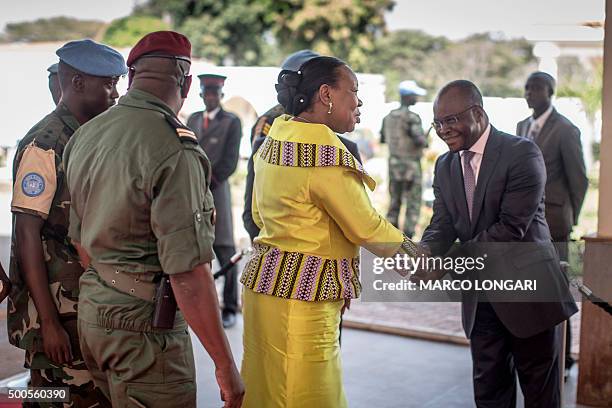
(479, 146)
(211, 115)
(541, 120)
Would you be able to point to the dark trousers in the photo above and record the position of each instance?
(562, 246)
(230, 286)
(498, 357)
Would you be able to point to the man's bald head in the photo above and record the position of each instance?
(459, 117)
(165, 77)
(465, 89)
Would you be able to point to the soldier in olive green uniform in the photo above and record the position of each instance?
(45, 268)
(403, 132)
(141, 206)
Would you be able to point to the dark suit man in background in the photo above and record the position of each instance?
(489, 188)
(219, 134)
(559, 140)
(566, 182)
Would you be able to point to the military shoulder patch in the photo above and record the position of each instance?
(33, 184)
(182, 131)
(35, 181)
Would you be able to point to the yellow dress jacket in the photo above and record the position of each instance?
(309, 201)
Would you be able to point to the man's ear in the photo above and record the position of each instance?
(480, 113)
(78, 83)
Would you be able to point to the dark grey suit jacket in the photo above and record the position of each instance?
(508, 208)
(221, 143)
(566, 182)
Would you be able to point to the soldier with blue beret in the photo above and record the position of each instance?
(92, 58)
(45, 267)
(403, 131)
(54, 86)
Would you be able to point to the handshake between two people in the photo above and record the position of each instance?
(423, 270)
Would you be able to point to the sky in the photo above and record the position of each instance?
(451, 18)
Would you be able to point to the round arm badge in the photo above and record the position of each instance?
(33, 185)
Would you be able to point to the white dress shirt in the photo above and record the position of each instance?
(211, 115)
(536, 125)
(478, 148)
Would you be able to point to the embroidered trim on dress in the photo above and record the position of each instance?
(293, 275)
(296, 154)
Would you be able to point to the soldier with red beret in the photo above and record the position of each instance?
(143, 218)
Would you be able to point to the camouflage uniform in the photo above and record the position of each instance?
(403, 131)
(40, 190)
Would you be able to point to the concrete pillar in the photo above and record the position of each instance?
(595, 366)
(547, 54)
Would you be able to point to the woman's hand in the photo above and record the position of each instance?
(346, 306)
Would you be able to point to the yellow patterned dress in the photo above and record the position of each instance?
(310, 202)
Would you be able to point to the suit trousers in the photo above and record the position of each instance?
(562, 246)
(230, 285)
(498, 357)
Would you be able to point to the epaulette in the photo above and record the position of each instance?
(183, 132)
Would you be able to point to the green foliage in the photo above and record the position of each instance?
(346, 29)
(261, 32)
(125, 32)
(229, 34)
(53, 29)
(402, 54)
(577, 81)
(499, 67)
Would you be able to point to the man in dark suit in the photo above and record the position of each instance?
(219, 134)
(566, 182)
(489, 188)
(559, 140)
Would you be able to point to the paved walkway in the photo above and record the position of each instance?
(380, 371)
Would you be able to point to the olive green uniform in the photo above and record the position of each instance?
(403, 131)
(141, 205)
(40, 190)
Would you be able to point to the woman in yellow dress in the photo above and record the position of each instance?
(310, 203)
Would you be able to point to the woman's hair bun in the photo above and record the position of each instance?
(293, 101)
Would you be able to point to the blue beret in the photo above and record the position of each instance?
(411, 88)
(52, 69)
(92, 58)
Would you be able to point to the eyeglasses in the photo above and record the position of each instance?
(449, 120)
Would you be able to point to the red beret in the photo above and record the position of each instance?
(212, 80)
(162, 43)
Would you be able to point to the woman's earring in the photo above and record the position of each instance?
(330, 108)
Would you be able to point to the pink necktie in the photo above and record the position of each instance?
(469, 180)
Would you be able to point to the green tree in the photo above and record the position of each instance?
(346, 29)
(499, 67)
(53, 29)
(224, 31)
(230, 35)
(125, 32)
(401, 55)
(260, 32)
